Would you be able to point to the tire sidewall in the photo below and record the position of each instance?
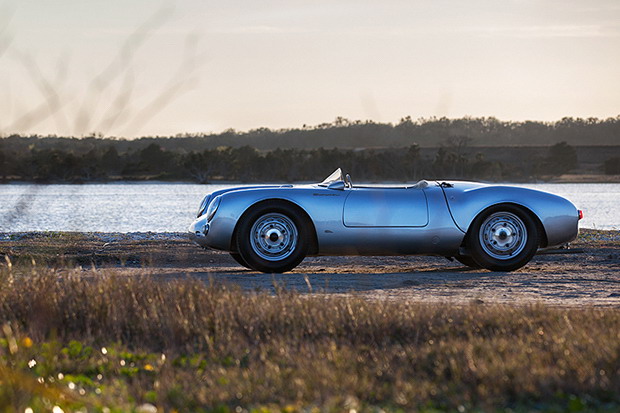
(244, 246)
(529, 250)
(239, 259)
(467, 261)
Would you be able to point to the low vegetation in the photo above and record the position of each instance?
(73, 339)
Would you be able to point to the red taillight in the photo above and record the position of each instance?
(580, 214)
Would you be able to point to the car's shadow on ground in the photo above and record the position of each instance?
(332, 282)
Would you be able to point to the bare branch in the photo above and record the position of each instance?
(50, 94)
(119, 65)
(180, 83)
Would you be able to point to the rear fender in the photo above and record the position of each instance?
(557, 216)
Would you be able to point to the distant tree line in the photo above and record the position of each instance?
(346, 134)
(455, 158)
(612, 166)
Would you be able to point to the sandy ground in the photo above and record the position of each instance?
(587, 274)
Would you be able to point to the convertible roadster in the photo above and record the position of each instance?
(272, 228)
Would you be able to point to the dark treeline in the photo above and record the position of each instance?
(346, 134)
(453, 159)
(467, 148)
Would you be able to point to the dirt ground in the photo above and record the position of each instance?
(586, 274)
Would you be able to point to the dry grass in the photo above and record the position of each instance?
(224, 348)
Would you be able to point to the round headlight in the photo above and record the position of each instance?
(213, 207)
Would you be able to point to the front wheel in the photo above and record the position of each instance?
(503, 238)
(273, 237)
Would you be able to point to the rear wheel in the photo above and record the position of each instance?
(273, 237)
(503, 238)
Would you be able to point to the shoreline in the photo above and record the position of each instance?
(561, 179)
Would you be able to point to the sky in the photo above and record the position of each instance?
(143, 67)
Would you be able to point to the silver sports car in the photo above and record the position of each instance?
(272, 228)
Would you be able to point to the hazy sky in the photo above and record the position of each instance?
(142, 67)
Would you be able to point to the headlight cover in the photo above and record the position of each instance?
(212, 209)
(203, 205)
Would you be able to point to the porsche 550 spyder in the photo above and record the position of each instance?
(272, 228)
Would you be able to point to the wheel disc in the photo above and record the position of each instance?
(503, 235)
(273, 237)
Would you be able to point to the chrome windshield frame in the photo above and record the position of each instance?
(335, 176)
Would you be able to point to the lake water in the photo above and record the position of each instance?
(163, 207)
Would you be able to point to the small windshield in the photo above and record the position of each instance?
(334, 177)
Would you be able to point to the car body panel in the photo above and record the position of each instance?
(391, 207)
(439, 236)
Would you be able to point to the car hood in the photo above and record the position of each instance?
(245, 188)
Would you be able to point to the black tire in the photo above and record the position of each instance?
(467, 261)
(503, 238)
(273, 237)
(237, 257)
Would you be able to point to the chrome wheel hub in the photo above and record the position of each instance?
(503, 235)
(273, 237)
